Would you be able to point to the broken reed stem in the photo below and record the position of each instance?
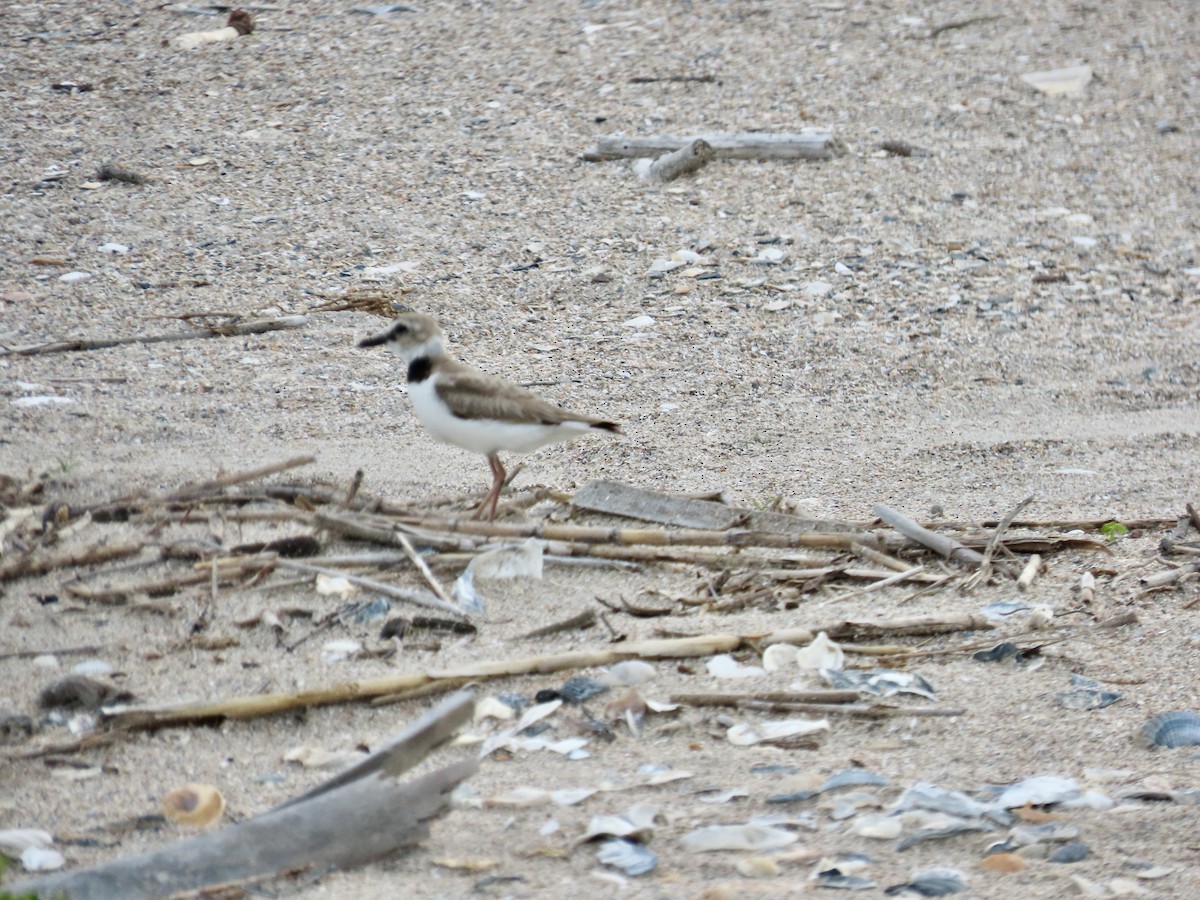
(435, 681)
(862, 710)
(190, 491)
(658, 537)
(879, 558)
(258, 327)
(825, 697)
(30, 564)
(430, 579)
(389, 590)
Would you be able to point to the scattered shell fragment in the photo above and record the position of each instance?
(463, 864)
(637, 822)
(1003, 862)
(194, 805)
(878, 826)
(581, 688)
(932, 883)
(737, 837)
(745, 734)
(340, 650)
(1172, 729)
(880, 682)
(41, 859)
(1075, 851)
(1070, 80)
(779, 656)
(80, 692)
(1041, 790)
(725, 666)
(631, 672)
(335, 586)
(822, 653)
(493, 708)
(630, 857)
(758, 867)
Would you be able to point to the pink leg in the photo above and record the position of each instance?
(493, 496)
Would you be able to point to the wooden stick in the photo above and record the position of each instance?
(882, 559)
(30, 564)
(1171, 577)
(939, 543)
(416, 560)
(658, 537)
(691, 157)
(54, 651)
(1194, 515)
(816, 145)
(257, 327)
(826, 697)
(864, 710)
(256, 705)
(190, 491)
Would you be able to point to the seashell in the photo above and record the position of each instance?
(878, 826)
(852, 778)
(194, 805)
(779, 656)
(631, 858)
(637, 822)
(41, 859)
(334, 586)
(737, 837)
(725, 666)
(880, 682)
(932, 883)
(581, 688)
(745, 734)
(1048, 833)
(493, 708)
(822, 653)
(925, 796)
(1085, 698)
(1003, 862)
(632, 672)
(950, 829)
(1041, 790)
(1172, 729)
(758, 867)
(1076, 851)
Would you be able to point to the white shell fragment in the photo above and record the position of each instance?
(822, 653)
(725, 666)
(779, 656)
(1041, 790)
(737, 837)
(746, 734)
(1071, 80)
(334, 586)
(630, 672)
(41, 859)
(630, 857)
(637, 822)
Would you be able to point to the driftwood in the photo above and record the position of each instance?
(358, 816)
(939, 543)
(260, 326)
(689, 158)
(815, 145)
(255, 705)
(617, 499)
(31, 564)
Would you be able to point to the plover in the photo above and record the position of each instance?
(460, 405)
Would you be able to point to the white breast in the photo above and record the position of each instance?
(485, 436)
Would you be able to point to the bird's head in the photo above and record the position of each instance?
(412, 336)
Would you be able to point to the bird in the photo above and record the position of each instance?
(460, 405)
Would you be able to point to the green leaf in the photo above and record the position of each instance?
(1113, 530)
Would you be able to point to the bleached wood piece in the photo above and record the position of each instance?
(688, 158)
(815, 145)
(356, 817)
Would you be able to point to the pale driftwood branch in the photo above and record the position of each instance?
(358, 816)
(1173, 576)
(815, 145)
(939, 543)
(255, 705)
(239, 24)
(618, 499)
(689, 158)
(260, 326)
(189, 491)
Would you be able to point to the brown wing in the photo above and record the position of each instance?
(474, 395)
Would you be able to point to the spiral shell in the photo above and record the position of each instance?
(194, 805)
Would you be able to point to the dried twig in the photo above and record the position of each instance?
(260, 326)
